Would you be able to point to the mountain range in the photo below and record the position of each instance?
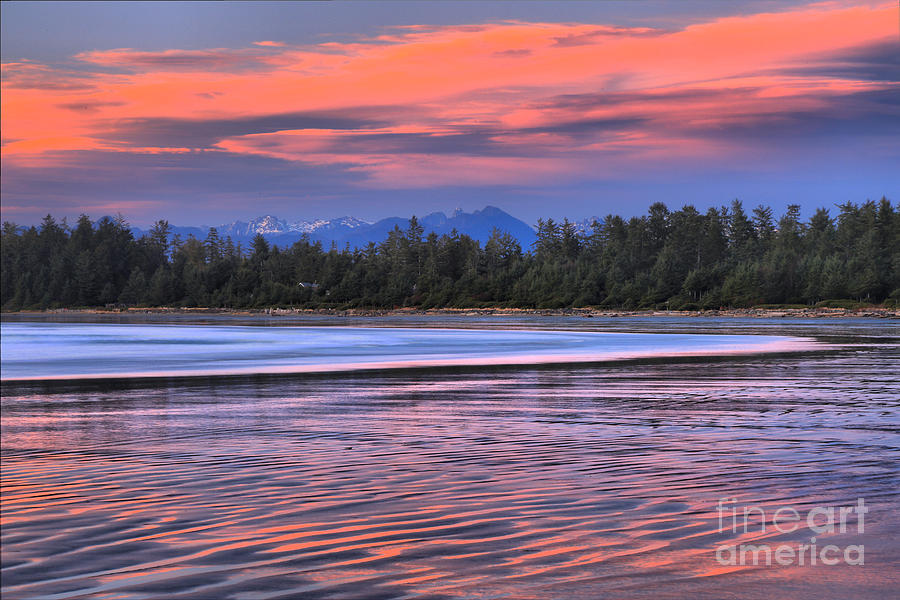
(358, 233)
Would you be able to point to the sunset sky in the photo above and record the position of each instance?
(203, 113)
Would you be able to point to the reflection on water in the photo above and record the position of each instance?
(533, 482)
(82, 350)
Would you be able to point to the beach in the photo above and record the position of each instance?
(530, 480)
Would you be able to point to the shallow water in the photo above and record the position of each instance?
(107, 350)
(551, 481)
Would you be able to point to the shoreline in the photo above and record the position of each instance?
(757, 313)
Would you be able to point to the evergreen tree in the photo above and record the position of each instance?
(663, 259)
(135, 288)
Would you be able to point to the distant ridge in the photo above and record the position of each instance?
(358, 233)
(271, 225)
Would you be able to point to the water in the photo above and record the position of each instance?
(105, 350)
(529, 481)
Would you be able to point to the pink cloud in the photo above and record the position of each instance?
(527, 100)
(166, 60)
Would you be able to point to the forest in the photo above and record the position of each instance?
(665, 259)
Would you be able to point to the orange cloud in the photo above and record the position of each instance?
(504, 102)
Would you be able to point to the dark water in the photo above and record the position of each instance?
(563, 481)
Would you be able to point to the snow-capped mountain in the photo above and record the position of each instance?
(271, 225)
(328, 224)
(357, 233)
(586, 226)
(264, 225)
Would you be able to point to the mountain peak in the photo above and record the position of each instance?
(489, 211)
(358, 233)
(267, 224)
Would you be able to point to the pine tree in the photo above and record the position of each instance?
(135, 289)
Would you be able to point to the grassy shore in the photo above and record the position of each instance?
(588, 312)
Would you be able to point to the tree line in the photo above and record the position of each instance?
(681, 259)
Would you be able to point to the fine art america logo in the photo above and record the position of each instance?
(820, 520)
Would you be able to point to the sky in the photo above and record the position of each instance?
(205, 113)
